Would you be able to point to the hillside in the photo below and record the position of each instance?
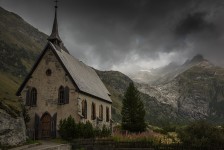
(194, 93)
(20, 43)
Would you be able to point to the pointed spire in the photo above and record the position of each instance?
(54, 37)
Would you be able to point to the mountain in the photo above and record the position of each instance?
(195, 90)
(166, 73)
(20, 43)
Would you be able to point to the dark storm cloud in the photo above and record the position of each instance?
(140, 33)
(193, 23)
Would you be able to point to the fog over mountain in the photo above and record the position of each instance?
(130, 35)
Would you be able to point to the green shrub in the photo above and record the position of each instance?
(201, 133)
(88, 131)
(69, 130)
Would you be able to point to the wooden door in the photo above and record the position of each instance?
(46, 126)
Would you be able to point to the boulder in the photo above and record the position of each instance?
(12, 129)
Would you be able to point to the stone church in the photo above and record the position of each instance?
(59, 85)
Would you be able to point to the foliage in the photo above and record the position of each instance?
(201, 133)
(133, 111)
(136, 137)
(69, 130)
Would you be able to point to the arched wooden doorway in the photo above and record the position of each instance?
(46, 126)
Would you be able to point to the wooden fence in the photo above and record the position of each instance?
(92, 144)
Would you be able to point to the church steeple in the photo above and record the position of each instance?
(54, 37)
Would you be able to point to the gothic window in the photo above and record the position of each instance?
(107, 114)
(33, 97)
(93, 114)
(61, 95)
(84, 109)
(101, 112)
(66, 95)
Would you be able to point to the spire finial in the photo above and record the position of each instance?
(54, 37)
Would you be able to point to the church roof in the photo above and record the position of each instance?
(83, 76)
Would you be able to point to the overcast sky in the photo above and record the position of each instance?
(129, 35)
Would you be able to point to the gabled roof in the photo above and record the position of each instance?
(82, 76)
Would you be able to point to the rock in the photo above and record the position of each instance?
(12, 130)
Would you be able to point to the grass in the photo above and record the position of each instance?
(8, 87)
(147, 136)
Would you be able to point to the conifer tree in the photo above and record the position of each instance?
(133, 112)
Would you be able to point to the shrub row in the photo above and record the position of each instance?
(69, 130)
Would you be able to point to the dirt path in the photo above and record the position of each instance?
(43, 145)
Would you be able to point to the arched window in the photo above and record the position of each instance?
(93, 114)
(33, 97)
(101, 112)
(107, 114)
(84, 109)
(66, 101)
(61, 95)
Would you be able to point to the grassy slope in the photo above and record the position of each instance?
(20, 43)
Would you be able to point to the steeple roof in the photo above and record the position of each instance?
(54, 37)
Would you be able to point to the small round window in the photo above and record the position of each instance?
(48, 72)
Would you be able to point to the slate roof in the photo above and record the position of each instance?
(84, 76)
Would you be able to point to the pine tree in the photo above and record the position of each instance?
(133, 112)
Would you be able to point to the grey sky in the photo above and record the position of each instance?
(129, 35)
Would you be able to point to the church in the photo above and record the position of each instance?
(59, 85)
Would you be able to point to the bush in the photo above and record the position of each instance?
(201, 133)
(69, 130)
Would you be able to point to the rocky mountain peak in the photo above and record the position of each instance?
(198, 58)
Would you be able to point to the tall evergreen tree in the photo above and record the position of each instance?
(133, 112)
